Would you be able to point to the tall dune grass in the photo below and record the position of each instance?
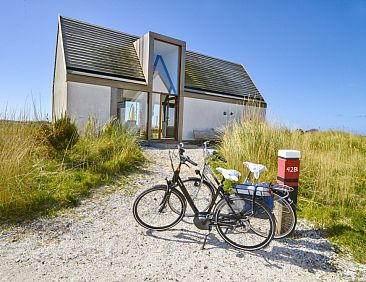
(332, 186)
(35, 180)
(17, 163)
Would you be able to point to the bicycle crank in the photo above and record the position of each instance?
(202, 220)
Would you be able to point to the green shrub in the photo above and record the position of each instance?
(114, 151)
(60, 135)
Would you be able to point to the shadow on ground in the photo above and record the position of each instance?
(298, 251)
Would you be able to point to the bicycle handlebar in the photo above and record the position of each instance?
(184, 159)
(190, 161)
(206, 144)
(214, 153)
(222, 159)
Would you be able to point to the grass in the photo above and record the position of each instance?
(332, 190)
(37, 180)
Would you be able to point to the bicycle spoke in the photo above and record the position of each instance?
(247, 233)
(151, 209)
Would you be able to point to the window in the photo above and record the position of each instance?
(132, 110)
(165, 68)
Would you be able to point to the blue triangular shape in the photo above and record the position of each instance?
(165, 75)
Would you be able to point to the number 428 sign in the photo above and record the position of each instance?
(292, 169)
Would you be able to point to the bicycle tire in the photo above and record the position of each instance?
(285, 215)
(238, 229)
(153, 204)
(202, 194)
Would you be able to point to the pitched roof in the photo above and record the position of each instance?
(98, 50)
(102, 51)
(210, 74)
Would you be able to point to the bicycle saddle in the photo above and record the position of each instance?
(255, 168)
(229, 174)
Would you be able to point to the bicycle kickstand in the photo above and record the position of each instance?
(204, 241)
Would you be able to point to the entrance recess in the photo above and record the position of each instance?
(164, 121)
(165, 90)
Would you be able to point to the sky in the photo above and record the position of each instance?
(307, 58)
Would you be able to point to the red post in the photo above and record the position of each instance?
(288, 170)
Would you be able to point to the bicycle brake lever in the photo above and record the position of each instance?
(187, 165)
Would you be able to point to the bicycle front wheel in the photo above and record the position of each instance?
(242, 226)
(151, 208)
(285, 216)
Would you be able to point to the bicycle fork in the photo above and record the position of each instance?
(166, 197)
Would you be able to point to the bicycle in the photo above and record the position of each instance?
(243, 222)
(276, 195)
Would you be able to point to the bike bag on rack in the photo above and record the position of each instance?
(261, 190)
(248, 189)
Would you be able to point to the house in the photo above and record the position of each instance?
(151, 83)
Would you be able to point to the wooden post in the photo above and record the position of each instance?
(288, 172)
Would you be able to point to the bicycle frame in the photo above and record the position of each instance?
(176, 180)
(207, 168)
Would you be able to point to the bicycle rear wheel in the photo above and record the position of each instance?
(285, 216)
(242, 226)
(151, 209)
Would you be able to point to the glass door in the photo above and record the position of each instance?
(168, 122)
(164, 116)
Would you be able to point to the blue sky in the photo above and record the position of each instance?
(307, 58)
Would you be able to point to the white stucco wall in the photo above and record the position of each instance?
(60, 85)
(86, 100)
(201, 114)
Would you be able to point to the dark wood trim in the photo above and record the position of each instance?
(180, 100)
(238, 101)
(111, 75)
(106, 82)
(166, 39)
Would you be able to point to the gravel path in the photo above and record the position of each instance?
(100, 240)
